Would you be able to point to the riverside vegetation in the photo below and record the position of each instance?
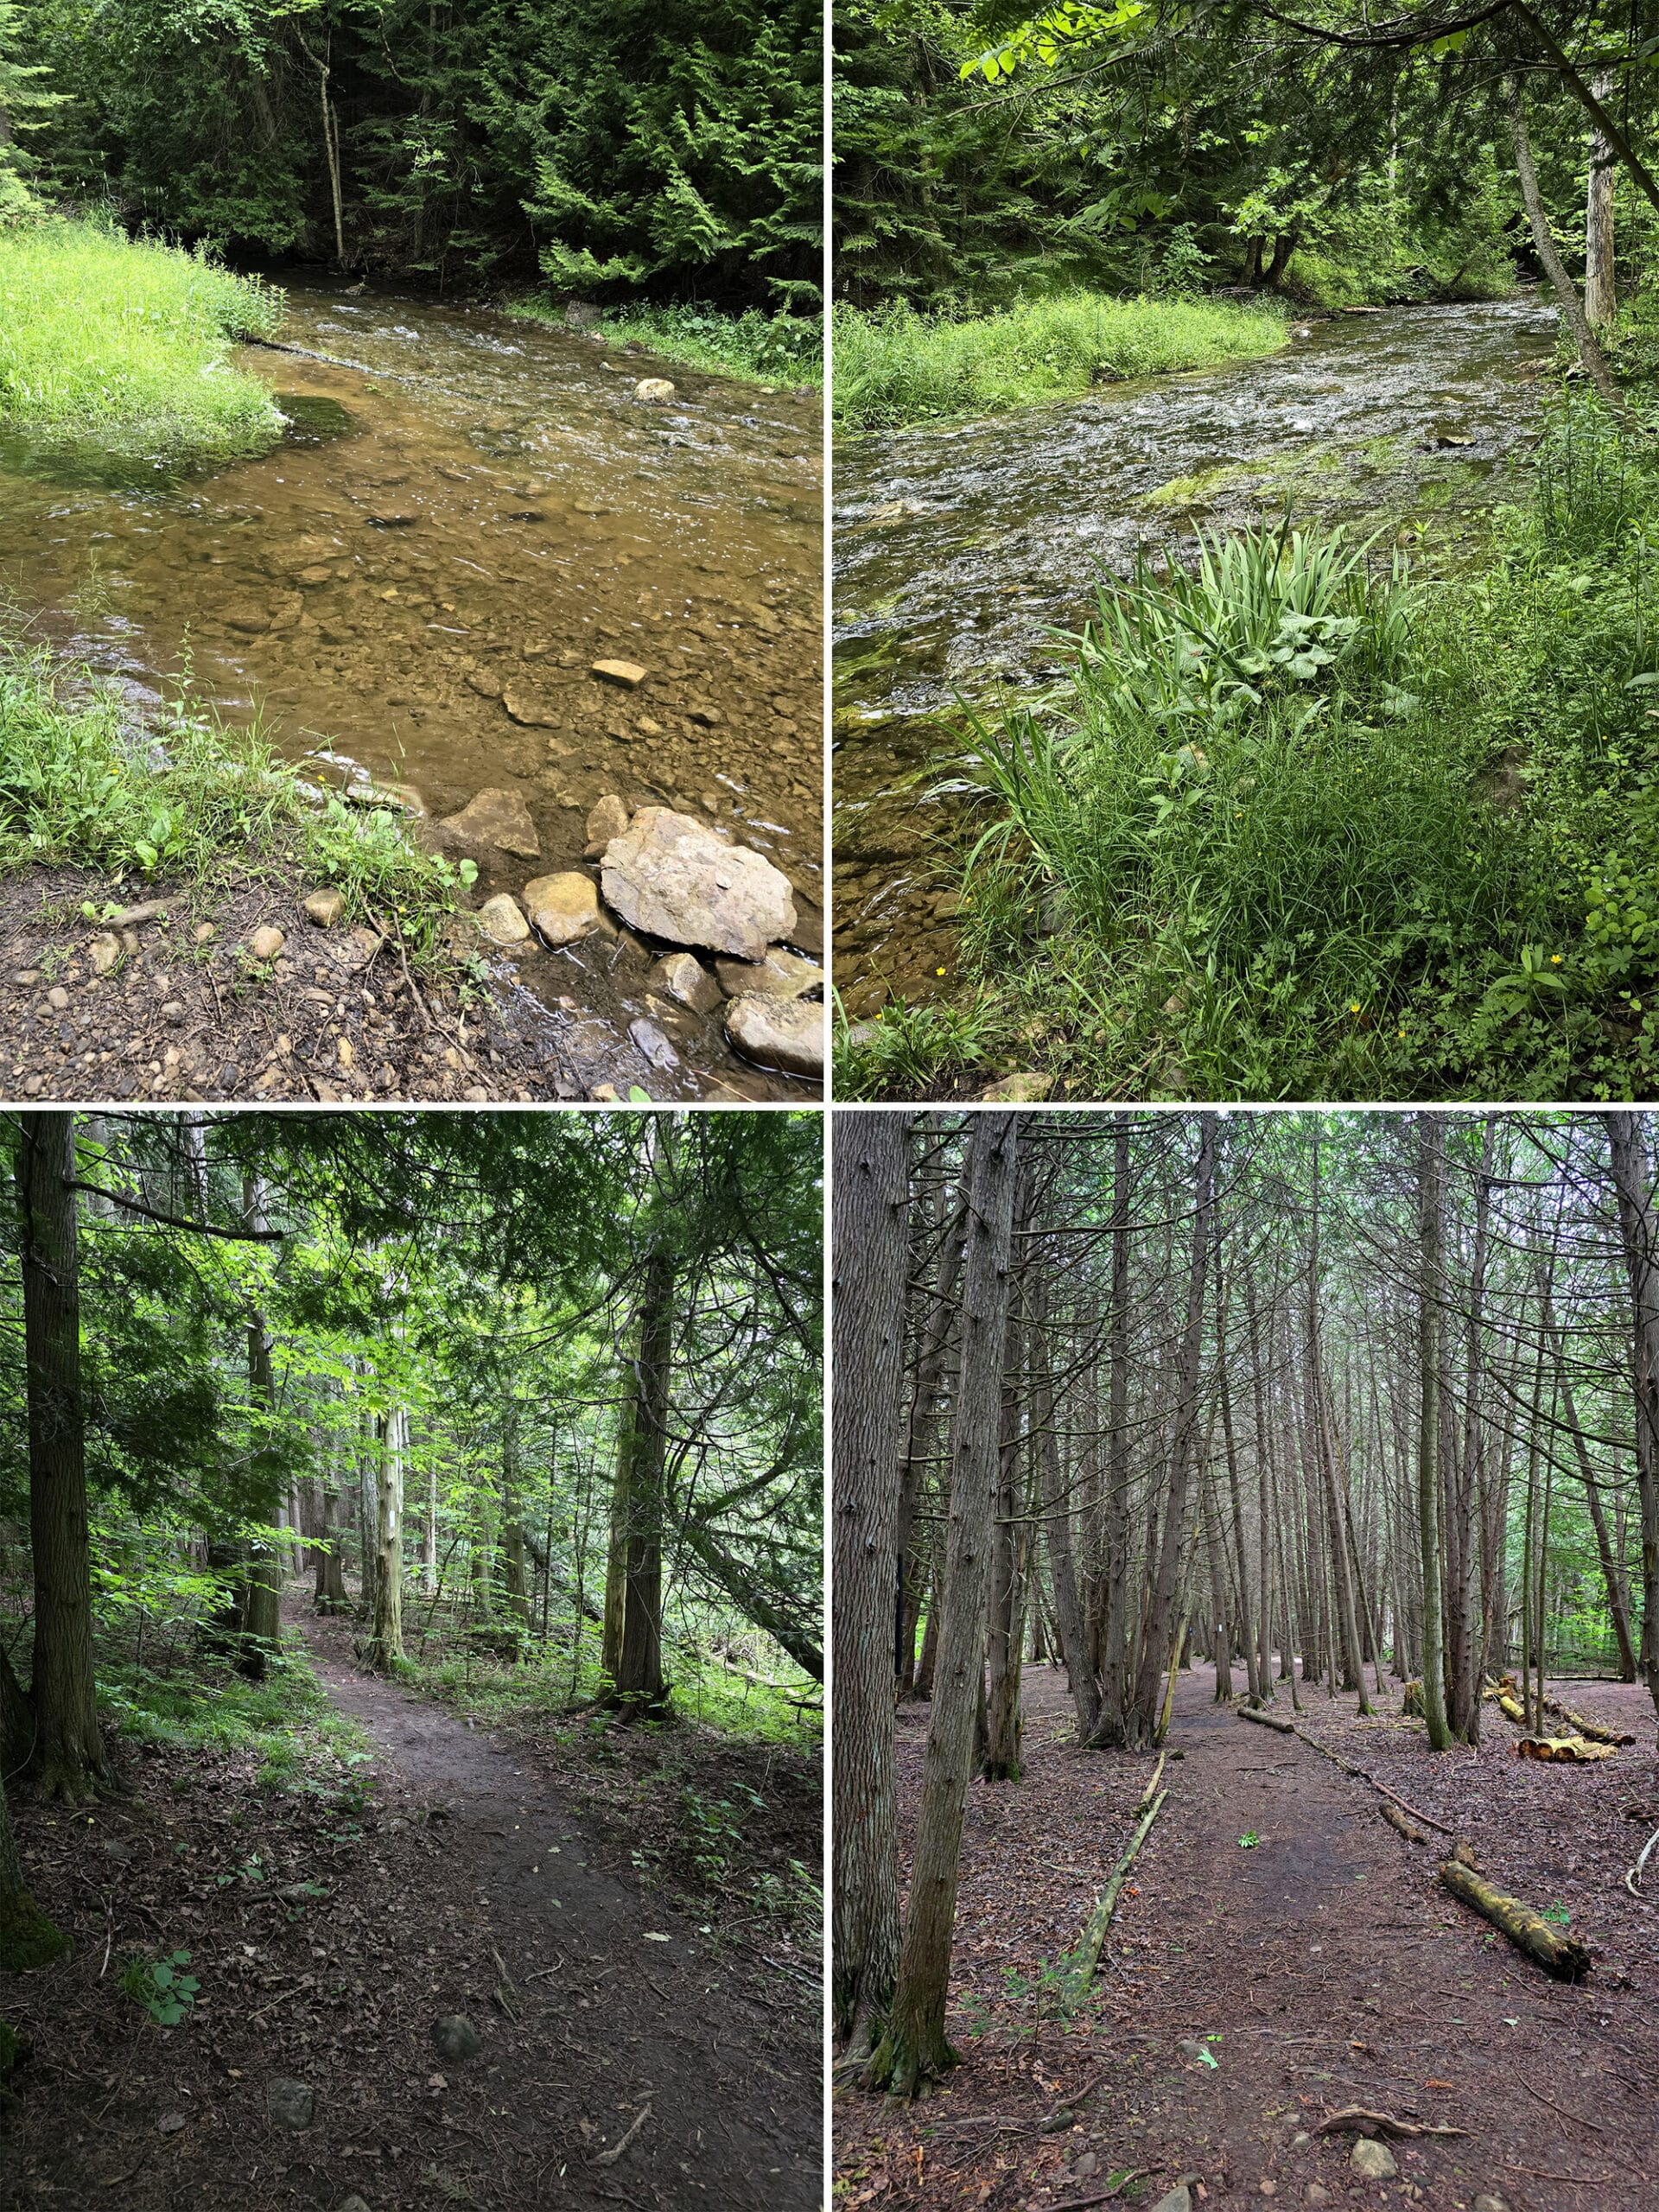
(1301, 824)
(1289, 816)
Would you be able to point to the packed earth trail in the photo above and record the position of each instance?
(430, 1991)
(1281, 1953)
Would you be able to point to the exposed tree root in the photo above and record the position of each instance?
(1087, 1955)
(1549, 1947)
(1355, 2120)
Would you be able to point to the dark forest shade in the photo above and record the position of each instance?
(670, 148)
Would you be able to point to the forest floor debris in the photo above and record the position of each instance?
(1320, 1968)
(330, 1926)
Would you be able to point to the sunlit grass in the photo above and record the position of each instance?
(126, 345)
(754, 347)
(894, 366)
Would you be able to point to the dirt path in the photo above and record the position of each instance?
(1318, 1965)
(593, 2001)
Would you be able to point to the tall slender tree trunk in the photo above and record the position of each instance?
(514, 1578)
(262, 1609)
(870, 1159)
(640, 1686)
(1007, 1618)
(69, 1760)
(1594, 361)
(1633, 1185)
(913, 2047)
(1431, 1170)
(1600, 298)
(1057, 1513)
(386, 1642)
(1111, 1728)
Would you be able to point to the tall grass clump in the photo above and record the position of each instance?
(893, 366)
(1302, 826)
(754, 347)
(125, 345)
(180, 796)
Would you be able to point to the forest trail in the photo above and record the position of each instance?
(1320, 1965)
(604, 2020)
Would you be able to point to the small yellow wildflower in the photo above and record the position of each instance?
(1353, 1006)
(938, 971)
(1554, 959)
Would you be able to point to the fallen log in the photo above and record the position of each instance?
(1549, 1947)
(1355, 2120)
(1381, 1788)
(1086, 1957)
(1397, 1820)
(1267, 1719)
(1569, 1751)
(1151, 1789)
(1594, 1729)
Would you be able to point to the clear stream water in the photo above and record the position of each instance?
(416, 582)
(958, 550)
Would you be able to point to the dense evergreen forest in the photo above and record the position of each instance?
(304, 1415)
(984, 151)
(674, 152)
(1343, 1424)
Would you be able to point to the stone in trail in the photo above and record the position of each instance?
(106, 951)
(671, 878)
(325, 907)
(456, 2036)
(292, 2105)
(564, 908)
(786, 1033)
(1373, 2160)
(531, 713)
(497, 818)
(265, 944)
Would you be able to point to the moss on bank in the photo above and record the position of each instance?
(894, 367)
(125, 345)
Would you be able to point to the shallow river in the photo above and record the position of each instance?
(957, 550)
(416, 582)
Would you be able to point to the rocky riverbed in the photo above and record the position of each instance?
(488, 558)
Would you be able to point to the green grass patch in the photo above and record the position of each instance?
(125, 345)
(1304, 826)
(894, 366)
(756, 348)
(286, 1720)
(182, 797)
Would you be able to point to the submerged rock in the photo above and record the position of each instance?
(653, 389)
(781, 975)
(608, 819)
(563, 908)
(628, 673)
(682, 975)
(501, 921)
(671, 878)
(498, 818)
(786, 1033)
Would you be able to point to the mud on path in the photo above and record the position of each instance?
(1320, 1966)
(329, 1931)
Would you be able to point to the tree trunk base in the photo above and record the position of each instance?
(27, 1938)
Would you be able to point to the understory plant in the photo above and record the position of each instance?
(1303, 826)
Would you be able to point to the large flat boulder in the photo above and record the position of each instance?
(668, 877)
